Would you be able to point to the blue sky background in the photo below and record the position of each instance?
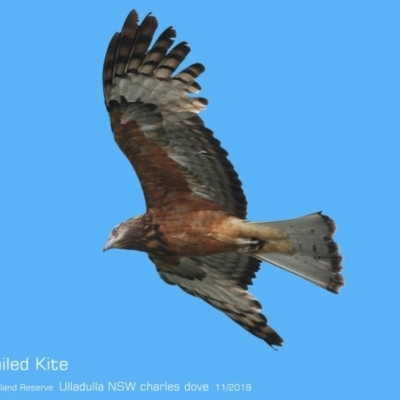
(305, 97)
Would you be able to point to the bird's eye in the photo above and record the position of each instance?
(114, 231)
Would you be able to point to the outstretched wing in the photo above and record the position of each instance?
(222, 281)
(180, 165)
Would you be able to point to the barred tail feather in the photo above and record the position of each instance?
(315, 255)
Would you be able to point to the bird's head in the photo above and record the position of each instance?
(115, 237)
(126, 235)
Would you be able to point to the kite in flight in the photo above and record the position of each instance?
(195, 229)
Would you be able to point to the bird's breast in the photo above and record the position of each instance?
(187, 234)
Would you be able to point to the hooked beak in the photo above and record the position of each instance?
(109, 245)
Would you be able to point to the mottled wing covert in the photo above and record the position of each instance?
(221, 280)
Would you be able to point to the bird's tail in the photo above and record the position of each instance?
(306, 249)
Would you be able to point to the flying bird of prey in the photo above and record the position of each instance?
(195, 229)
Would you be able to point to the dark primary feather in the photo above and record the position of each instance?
(177, 159)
